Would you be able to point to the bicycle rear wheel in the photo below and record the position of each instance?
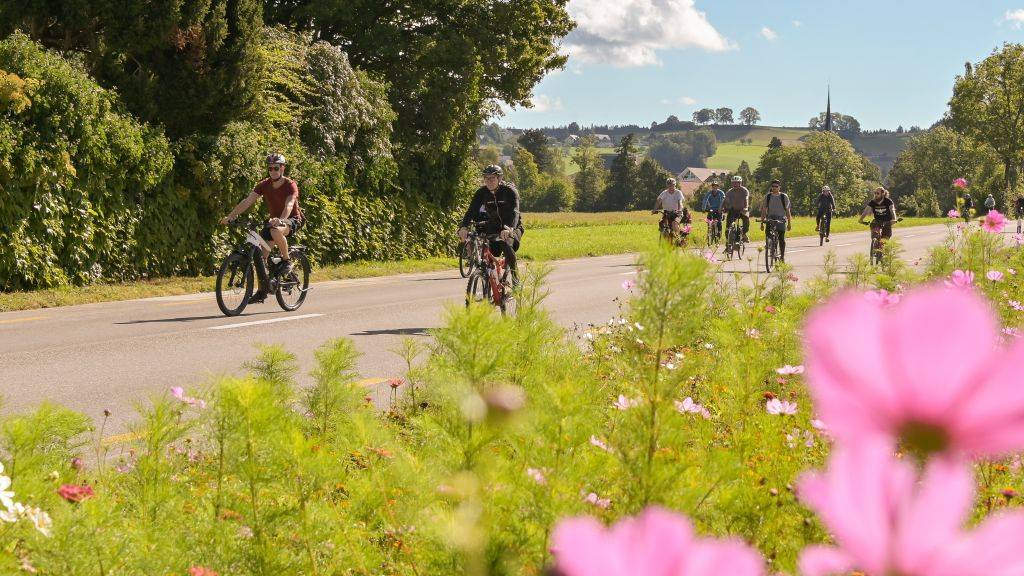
(234, 284)
(292, 289)
(465, 266)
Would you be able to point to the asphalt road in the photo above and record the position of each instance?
(115, 355)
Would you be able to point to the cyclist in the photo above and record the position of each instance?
(990, 203)
(671, 199)
(712, 202)
(496, 203)
(968, 206)
(884, 211)
(777, 212)
(737, 205)
(281, 196)
(826, 205)
(1019, 205)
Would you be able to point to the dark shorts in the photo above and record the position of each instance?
(885, 225)
(294, 224)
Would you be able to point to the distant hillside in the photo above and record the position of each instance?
(731, 152)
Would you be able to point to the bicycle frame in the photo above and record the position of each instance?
(495, 268)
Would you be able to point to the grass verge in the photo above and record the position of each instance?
(548, 237)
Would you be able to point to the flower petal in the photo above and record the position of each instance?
(824, 561)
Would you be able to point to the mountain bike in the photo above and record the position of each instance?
(469, 254)
(877, 242)
(675, 237)
(239, 269)
(714, 228)
(489, 281)
(824, 227)
(734, 244)
(771, 243)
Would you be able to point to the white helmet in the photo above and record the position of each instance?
(825, 188)
(737, 178)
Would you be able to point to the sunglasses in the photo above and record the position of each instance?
(275, 168)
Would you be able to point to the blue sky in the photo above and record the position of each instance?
(890, 63)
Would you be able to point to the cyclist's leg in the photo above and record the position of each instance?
(746, 225)
(817, 220)
(780, 233)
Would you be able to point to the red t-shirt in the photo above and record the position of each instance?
(275, 198)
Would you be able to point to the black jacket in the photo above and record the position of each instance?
(498, 209)
(826, 203)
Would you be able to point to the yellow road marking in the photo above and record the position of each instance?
(121, 438)
(368, 382)
(26, 319)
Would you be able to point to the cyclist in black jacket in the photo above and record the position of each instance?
(497, 204)
(826, 205)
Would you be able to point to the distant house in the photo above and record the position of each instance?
(690, 179)
(604, 140)
(505, 161)
(572, 140)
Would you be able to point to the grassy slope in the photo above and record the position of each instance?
(731, 152)
(548, 237)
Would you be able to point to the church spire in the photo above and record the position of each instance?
(828, 110)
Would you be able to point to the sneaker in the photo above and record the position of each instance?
(258, 298)
(826, 238)
(286, 268)
(745, 239)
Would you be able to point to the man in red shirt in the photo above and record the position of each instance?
(281, 195)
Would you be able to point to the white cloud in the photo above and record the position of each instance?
(1016, 17)
(687, 101)
(544, 103)
(797, 23)
(629, 33)
(768, 34)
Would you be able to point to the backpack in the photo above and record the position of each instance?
(785, 200)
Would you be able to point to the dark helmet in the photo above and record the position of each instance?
(276, 158)
(494, 169)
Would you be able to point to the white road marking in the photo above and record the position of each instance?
(256, 322)
(628, 273)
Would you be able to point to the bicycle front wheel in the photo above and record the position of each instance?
(464, 263)
(292, 290)
(234, 284)
(769, 255)
(478, 288)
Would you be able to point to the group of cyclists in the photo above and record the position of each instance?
(494, 210)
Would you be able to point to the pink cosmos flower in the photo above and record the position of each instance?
(1012, 332)
(1011, 271)
(770, 309)
(888, 521)
(960, 227)
(602, 503)
(1016, 305)
(753, 333)
(655, 543)
(993, 222)
(75, 493)
(960, 183)
(537, 475)
(960, 279)
(819, 426)
(953, 214)
(1018, 238)
(882, 297)
(628, 285)
(179, 393)
(623, 403)
(792, 277)
(595, 441)
(686, 229)
(710, 257)
(778, 407)
(788, 370)
(201, 571)
(938, 378)
(688, 406)
(994, 275)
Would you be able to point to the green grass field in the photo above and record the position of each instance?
(730, 152)
(730, 155)
(549, 236)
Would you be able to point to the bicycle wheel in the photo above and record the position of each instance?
(465, 267)
(769, 253)
(741, 247)
(292, 289)
(234, 284)
(478, 288)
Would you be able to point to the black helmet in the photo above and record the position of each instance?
(276, 158)
(493, 169)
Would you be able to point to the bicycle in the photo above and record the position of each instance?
(1019, 221)
(235, 275)
(676, 238)
(714, 229)
(824, 227)
(490, 281)
(734, 244)
(771, 243)
(469, 254)
(877, 242)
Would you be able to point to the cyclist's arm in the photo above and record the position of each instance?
(516, 214)
(244, 205)
(705, 202)
(474, 208)
(892, 211)
(789, 215)
(657, 203)
(289, 204)
(867, 210)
